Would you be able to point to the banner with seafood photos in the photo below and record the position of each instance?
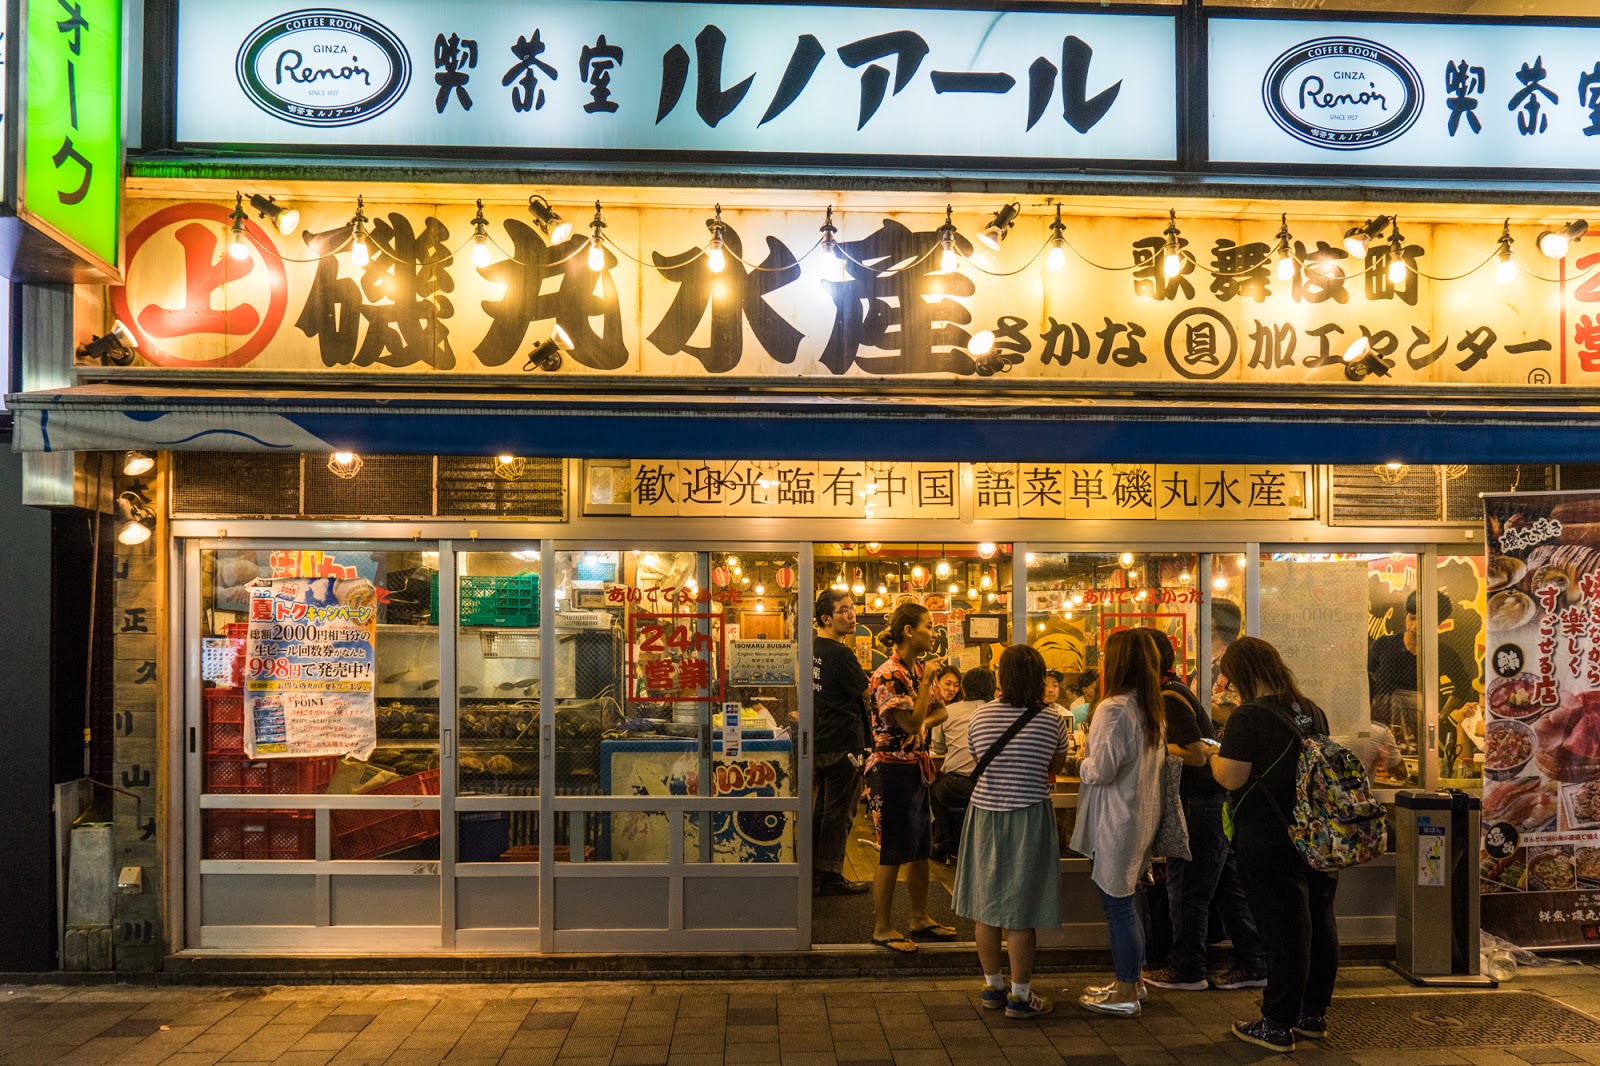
(1540, 861)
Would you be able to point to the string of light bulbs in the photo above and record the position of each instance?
(1173, 258)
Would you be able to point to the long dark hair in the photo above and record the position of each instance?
(1257, 671)
(1021, 671)
(905, 615)
(1133, 666)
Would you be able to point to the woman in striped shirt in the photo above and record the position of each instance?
(1008, 876)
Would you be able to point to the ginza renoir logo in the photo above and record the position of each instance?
(1343, 93)
(323, 67)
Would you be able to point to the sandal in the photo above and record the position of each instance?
(897, 944)
(934, 932)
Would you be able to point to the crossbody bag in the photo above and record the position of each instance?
(994, 749)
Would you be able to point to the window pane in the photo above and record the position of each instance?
(1461, 650)
(497, 672)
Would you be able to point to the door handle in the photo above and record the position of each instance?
(449, 745)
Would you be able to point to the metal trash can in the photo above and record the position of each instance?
(1436, 888)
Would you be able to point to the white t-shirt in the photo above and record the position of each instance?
(957, 759)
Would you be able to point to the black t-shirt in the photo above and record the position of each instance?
(838, 684)
(1259, 735)
(1391, 668)
(1187, 722)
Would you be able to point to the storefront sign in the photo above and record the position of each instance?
(671, 768)
(71, 152)
(309, 671)
(1404, 94)
(1135, 491)
(670, 488)
(781, 309)
(673, 658)
(630, 77)
(1541, 791)
(762, 663)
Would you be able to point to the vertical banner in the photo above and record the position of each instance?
(1541, 792)
(309, 671)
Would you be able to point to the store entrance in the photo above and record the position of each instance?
(496, 747)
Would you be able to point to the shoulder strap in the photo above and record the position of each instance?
(994, 749)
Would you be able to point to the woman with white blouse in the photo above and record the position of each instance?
(1119, 804)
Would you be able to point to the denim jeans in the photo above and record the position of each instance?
(1127, 935)
(1212, 873)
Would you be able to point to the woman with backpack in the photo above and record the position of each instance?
(1119, 805)
(1292, 903)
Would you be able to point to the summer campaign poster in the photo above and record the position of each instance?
(1540, 863)
(309, 666)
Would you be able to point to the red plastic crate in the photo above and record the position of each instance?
(236, 630)
(234, 774)
(374, 834)
(224, 738)
(260, 835)
(223, 704)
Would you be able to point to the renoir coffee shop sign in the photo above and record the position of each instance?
(1404, 94)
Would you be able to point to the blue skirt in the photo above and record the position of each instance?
(1009, 872)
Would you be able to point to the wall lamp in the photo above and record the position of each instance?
(283, 216)
(554, 228)
(344, 465)
(1357, 238)
(137, 517)
(1555, 242)
(138, 464)
(115, 348)
(547, 356)
(1000, 225)
(1361, 361)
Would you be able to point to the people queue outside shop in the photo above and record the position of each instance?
(1006, 735)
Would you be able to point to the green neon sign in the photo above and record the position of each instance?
(71, 182)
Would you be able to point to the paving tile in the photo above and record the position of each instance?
(576, 1046)
(538, 1019)
(640, 1055)
(697, 1043)
(1544, 1054)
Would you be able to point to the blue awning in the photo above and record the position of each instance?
(1215, 426)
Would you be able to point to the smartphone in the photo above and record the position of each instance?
(1211, 743)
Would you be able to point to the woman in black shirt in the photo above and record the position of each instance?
(1292, 903)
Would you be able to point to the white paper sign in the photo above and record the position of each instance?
(681, 77)
(1404, 94)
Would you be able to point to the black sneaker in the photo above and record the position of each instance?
(1314, 1026)
(1233, 979)
(1263, 1033)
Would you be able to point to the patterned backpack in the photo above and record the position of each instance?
(1335, 822)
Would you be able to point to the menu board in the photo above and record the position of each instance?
(1540, 860)
(309, 670)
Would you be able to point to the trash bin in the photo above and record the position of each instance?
(1436, 888)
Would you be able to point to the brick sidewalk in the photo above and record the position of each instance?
(911, 1021)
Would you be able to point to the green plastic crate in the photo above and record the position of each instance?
(491, 601)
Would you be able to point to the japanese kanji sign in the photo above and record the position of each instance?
(673, 488)
(592, 76)
(1404, 94)
(71, 155)
(421, 306)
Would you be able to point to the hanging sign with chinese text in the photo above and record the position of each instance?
(780, 310)
(672, 488)
(588, 76)
(70, 158)
(1411, 94)
(1540, 865)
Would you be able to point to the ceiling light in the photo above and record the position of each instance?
(1505, 271)
(987, 549)
(137, 517)
(972, 593)
(716, 259)
(883, 590)
(547, 356)
(953, 588)
(1555, 242)
(858, 589)
(360, 254)
(284, 217)
(550, 224)
(1220, 583)
(1357, 238)
(238, 239)
(1126, 559)
(1056, 258)
(942, 568)
(137, 464)
(1392, 473)
(761, 590)
(1000, 225)
(948, 259)
(1172, 261)
(1285, 257)
(597, 251)
(344, 465)
(510, 467)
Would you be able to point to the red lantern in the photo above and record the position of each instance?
(785, 577)
(720, 576)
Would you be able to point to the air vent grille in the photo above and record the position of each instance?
(472, 486)
(235, 484)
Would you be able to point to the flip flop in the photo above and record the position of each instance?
(934, 932)
(897, 944)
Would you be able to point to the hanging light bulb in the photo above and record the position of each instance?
(1056, 258)
(918, 572)
(1220, 583)
(1126, 559)
(480, 239)
(360, 254)
(716, 260)
(877, 602)
(597, 251)
(760, 607)
(832, 258)
(344, 465)
(883, 590)
(1398, 270)
(1172, 261)
(1284, 256)
(985, 581)
(858, 589)
(1184, 578)
(1028, 558)
(238, 240)
(1077, 598)
(942, 568)
(761, 590)
(972, 593)
(949, 260)
(953, 589)
(1040, 627)
(987, 549)
(1505, 271)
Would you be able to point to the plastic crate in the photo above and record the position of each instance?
(224, 738)
(491, 601)
(222, 704)
(260, 835)
(228, 774)
(236, 630)
(374, 834)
